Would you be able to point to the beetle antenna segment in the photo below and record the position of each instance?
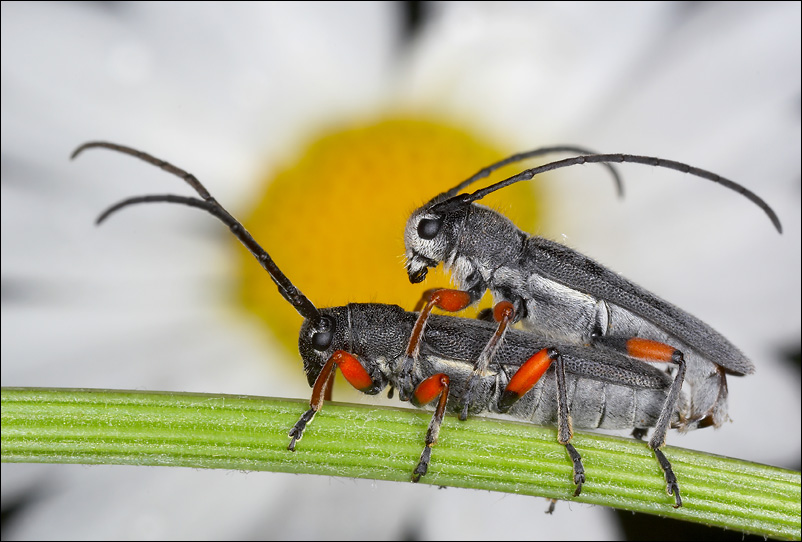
(532, 154)
(618, 158)
(294, 296)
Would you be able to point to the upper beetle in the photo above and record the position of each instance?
(560, 293)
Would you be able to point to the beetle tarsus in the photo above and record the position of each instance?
(579, 470)
(297, 432)
(672, 487)
(423, 464)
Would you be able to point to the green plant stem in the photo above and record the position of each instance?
(250, 433)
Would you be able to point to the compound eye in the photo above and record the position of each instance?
(428, 228)
(321, 339)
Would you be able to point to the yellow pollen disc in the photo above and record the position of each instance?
(334, 221)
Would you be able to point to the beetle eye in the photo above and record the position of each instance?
(428, 228)
(321, 340)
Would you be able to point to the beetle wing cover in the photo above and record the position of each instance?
(566, 266)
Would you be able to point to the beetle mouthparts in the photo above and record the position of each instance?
(417, 276)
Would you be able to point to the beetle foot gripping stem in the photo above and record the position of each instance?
(323, 382)
(672, 488)
(297, 432)
(434, 387)
(423, 464)
(579, 470)
(524, 380)
(654, 351)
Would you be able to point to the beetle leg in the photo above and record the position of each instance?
(653, 351)
(524, 379)
(353, 372)
(445, 299)
(322, 383)
(503, 313)
(425, 393)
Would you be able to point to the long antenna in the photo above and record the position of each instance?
(481, 174)
(618, 158)
(286, 288)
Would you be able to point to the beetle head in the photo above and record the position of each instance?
(317, 341)
(432, 233)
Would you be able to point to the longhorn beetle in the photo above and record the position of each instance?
(434, 357)
(559, 293)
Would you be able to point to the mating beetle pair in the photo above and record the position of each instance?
(583, 368)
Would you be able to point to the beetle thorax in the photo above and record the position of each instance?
(486, 242)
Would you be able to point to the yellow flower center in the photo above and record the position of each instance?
(334, 221)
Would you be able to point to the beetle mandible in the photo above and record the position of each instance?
(559, 293)
(528, 376)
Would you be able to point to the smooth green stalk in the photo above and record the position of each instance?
(250, 433)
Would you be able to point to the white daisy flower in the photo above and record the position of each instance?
(232, 91)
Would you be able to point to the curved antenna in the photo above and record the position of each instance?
(294, 296)
(629, 158)
(481, 174)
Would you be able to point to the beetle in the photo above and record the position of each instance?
(431, 358)
(562, 294)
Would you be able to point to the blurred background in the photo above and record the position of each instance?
(237, 93)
